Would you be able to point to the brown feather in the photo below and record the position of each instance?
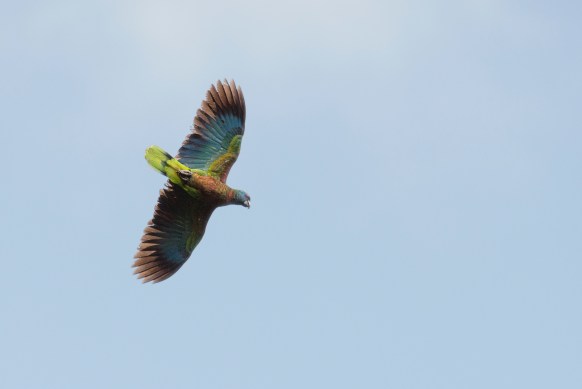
(178, 219)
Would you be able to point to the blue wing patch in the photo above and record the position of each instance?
(220, 118)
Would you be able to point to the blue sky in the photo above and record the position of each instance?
(415, 175)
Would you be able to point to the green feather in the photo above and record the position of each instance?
(169, 167)
(220, 167)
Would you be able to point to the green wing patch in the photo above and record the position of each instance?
(214, 143)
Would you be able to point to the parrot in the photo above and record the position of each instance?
(196, 183)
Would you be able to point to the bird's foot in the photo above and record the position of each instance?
(185, 175)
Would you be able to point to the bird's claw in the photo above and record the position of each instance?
(185, 174)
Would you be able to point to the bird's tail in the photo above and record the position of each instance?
(165, 163)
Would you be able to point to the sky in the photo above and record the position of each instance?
(414, 168)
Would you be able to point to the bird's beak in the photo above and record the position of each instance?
(247, 204)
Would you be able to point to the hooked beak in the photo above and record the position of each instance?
(247, 204)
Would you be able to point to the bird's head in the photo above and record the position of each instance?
(241, 198)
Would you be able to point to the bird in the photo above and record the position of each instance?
(196, 183)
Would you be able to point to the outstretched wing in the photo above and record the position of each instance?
(214, 143)
(178, 225)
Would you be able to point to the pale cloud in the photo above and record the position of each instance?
(185, 30)
(166, 29)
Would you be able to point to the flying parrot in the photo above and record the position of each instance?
(196, 183)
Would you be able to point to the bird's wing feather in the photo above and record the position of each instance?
(214, 143)
(177, 227)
